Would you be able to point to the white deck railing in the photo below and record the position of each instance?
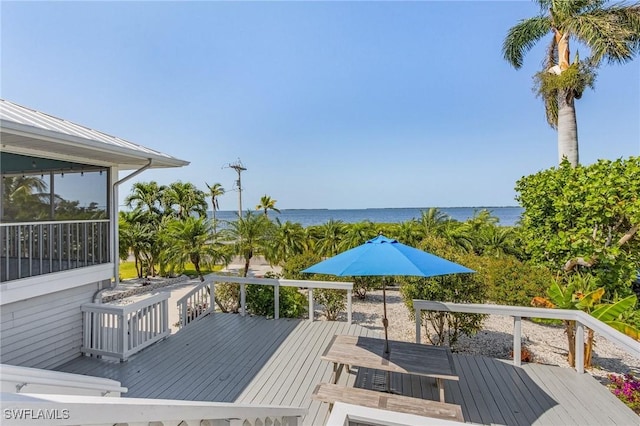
(53, 410)
(197, 303)
(347, 414)
(122, 330)
(211, 279)
(29, 249)
(15, 379)
(582, 320)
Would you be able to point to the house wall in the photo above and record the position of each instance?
(44, 331)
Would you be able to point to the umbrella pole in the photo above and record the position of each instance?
(385, 322)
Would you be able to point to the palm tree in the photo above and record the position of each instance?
(433, 221)
(496, 241)
(612, 33)
(330, 235)
(146, 196)
(250, 235)
(358, 233)
(191, 242)
(287, 240)
(408, 232)
(187, 198)
(136, 236)
(216, 190)
(267, 203)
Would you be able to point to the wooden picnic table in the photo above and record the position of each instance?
(403, 357)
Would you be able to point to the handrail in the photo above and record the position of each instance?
(73, 409)
(19, 378)
(344, 414)
(581, 318)
(310, 285)
(53, 222)
(277, 283)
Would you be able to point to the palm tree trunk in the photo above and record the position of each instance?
(570, 329)
(213, 208)
(567, 128)
(246, 266)
(588, 348)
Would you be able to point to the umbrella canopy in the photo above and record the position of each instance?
(384, 256)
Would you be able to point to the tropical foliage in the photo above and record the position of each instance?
(189, 240)
(267, 203)
(260, 301)
(610, 32)
(444, 328)
(585, 219)
(581, 293)
(168, 228)
(250, 236)
(215, 192)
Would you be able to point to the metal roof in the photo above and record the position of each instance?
(31, 132)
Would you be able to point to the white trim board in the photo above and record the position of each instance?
(26, 288)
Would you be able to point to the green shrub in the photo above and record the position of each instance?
(260, 301)
(512, 282)
(292, 267)
(228, 297)
(333, 301)
(362, 285)
(445, 328)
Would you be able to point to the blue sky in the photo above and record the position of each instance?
(327, 104)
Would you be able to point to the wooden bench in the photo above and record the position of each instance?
(331, 393)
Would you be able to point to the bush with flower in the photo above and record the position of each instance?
(627, 389)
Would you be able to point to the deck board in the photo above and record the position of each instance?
(229, 358)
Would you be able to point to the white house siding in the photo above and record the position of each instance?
(44, 331)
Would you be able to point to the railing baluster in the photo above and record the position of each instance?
(276, 300)
(41, 248)
(77, 244)
(68, 240)
(7, 255)
(243, 300)
(50, 243)
(30, 248)
(85, 242)
(93, 243)
(60, 248)
(579, 347)
(517, 341)
(19, 253)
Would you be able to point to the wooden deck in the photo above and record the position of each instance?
(229, 358)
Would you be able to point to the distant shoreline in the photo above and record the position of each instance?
(382, 208)
(507, 216)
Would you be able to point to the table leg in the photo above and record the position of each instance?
(441, 389)
(337, 370)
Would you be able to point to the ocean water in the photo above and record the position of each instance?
(507, 216)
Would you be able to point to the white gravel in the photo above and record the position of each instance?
(547, 344)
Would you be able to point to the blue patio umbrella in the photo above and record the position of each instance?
(384, 256)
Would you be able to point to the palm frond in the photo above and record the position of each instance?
(522, 37)
(612, 34)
